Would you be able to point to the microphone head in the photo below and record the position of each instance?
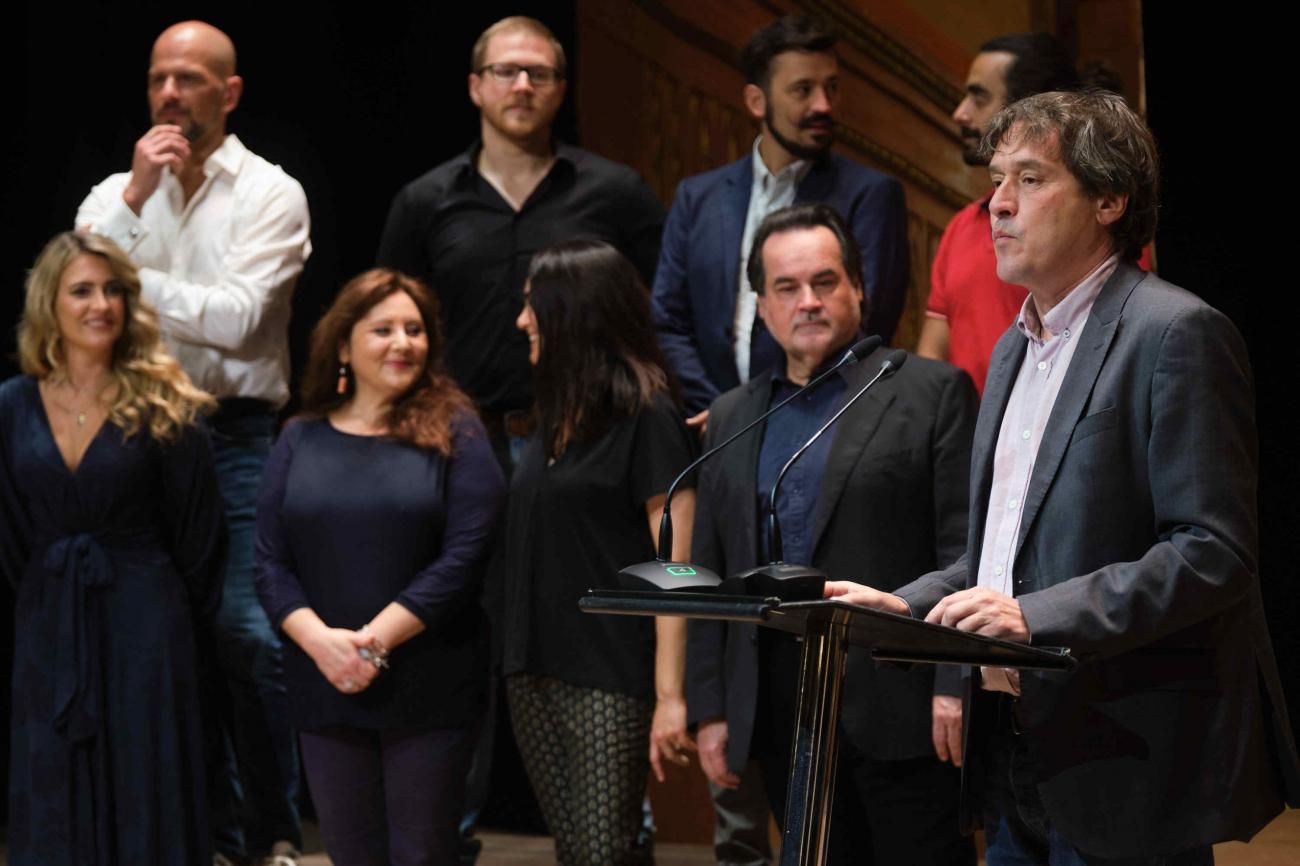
(864, 347)
(895, 360)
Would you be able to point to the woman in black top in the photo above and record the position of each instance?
(373, 522)
(585, 501)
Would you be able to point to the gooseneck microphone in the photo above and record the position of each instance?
(784, 580)
(661, 572)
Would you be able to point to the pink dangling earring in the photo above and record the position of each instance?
(343, 378)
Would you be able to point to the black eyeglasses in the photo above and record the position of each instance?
(506, 73)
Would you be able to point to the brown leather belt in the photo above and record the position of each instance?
(518, 423)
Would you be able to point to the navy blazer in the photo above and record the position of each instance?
(891, 504)
(1137, 550)
(694, 295)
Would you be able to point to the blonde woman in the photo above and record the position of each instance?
(111, 533)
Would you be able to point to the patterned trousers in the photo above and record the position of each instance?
(585, 751)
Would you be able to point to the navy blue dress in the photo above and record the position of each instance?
(111, 565)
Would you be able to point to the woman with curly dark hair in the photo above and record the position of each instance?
(373, 523)
(591, 696)
(111, 531)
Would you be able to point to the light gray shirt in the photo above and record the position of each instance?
(769, 192)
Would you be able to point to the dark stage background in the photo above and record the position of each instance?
(356, 100)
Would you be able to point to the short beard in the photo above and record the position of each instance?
(802, 151)
(191, 129)
(970, 147)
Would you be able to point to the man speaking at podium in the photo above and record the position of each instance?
(880, 496)
(1113, 512)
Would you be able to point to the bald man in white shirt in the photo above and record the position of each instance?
(220, 236)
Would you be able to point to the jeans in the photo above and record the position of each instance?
(252, 756)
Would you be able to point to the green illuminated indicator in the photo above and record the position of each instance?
(680, 570)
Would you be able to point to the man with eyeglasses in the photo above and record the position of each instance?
(469, 227)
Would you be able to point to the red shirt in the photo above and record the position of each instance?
(965, 291)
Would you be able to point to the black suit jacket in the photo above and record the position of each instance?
(1137, 549)
(892, 500)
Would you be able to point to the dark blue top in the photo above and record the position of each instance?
(347, 524)
(784, 434)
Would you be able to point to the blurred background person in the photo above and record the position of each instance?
(373, 524)
(585, 501)
(111, 531)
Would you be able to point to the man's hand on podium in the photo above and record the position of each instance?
(856, 593)
(983, 611)
(711, 737)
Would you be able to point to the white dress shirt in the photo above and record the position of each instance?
(769, 192)
(1047, 358)
(220, 269)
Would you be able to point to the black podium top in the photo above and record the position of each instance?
(890, 637)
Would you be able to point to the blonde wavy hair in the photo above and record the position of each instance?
(152, 391)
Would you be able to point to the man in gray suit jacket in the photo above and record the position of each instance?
(1113, 511)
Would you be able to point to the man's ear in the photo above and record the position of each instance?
(475, 84)
(1110, 207)
(755, 101)
(234, 90)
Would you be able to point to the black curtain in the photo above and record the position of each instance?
(1227, 176)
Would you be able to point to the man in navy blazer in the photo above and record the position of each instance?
(1113, 512)
(792, 89)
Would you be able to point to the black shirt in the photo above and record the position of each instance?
(452, 229)
(570, 527)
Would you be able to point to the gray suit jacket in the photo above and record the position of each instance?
(891, 504)
(1137, 550)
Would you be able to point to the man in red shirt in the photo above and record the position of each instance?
(969, 307)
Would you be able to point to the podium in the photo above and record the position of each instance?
(828, 628)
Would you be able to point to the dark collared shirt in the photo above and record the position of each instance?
(784, 434)
(454, 231)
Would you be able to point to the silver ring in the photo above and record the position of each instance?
(348, 685)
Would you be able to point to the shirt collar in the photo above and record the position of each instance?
(1073, 309)
(228, 157)
(763, 178)
(779, 369)
(465, 165)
